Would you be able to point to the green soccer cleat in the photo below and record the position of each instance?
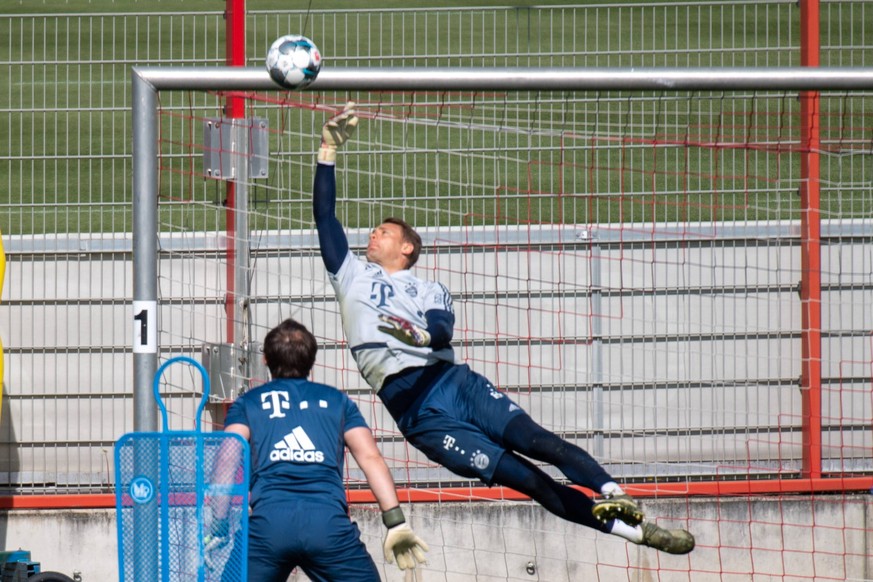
(672, 541)
(621, 507)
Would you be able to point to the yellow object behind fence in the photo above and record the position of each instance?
(2, 275)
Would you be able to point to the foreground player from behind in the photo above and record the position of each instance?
(399, 329)
(298, 430)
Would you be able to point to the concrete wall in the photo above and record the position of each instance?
(785, 539)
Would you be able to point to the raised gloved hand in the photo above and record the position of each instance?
(218, 538)
(405, 331)
(337, 131)
(401, 543)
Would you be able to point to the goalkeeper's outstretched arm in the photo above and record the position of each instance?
(331, 237)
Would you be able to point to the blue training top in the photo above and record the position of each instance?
(297, 438)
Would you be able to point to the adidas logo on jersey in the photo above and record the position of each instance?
(296, 446)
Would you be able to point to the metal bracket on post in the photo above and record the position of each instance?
(233, 369)
(236, 150)
(219, 147)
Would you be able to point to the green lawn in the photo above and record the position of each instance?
(65, 134)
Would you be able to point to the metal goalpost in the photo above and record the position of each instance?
(147, 82)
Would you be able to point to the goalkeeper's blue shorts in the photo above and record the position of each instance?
(319, 538)
(460, 423)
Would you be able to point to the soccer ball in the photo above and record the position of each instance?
(293, 61)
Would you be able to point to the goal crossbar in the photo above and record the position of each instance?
(516, 79)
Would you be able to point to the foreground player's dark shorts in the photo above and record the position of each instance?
(319, 538)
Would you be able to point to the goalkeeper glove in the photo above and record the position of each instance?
(401, 543)
(405, 331)
(218, 538)
(337, 131)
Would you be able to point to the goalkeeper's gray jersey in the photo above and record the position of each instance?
(365, 291)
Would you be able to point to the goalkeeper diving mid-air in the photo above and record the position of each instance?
(399, 329)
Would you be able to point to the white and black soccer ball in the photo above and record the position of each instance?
(293, 61)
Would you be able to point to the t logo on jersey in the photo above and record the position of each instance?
(275, 401)
(380, 293)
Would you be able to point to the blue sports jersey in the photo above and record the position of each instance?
(297, 438)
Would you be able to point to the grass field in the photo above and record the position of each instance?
(117, 6)
(66, 156)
